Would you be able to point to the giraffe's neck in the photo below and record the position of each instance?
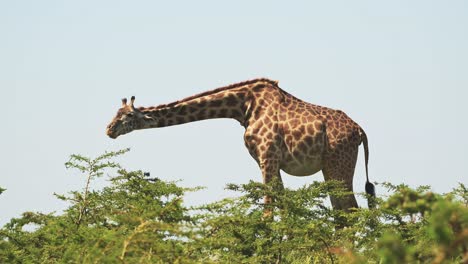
(229, 103)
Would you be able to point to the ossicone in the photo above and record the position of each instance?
(132, 100)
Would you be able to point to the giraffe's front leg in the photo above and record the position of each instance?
(267, 152)
(271, 176)
(269, 161)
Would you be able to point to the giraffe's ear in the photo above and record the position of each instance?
(132, 100)
(124, 101)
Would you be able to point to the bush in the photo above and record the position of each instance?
(139, 219)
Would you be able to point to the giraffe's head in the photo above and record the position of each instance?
(127, 119)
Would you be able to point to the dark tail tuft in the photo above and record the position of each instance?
(370, 189)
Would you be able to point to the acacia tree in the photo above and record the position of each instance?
(139, 219)
(136, 218)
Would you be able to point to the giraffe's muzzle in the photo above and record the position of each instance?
(110, 134)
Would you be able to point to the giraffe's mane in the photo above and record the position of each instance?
(224, 88)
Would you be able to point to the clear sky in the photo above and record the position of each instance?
(398, 68)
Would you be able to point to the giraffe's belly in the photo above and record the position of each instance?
(305, 167)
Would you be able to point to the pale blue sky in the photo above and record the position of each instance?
(398, 68)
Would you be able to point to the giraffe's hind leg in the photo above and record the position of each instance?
(339, 165)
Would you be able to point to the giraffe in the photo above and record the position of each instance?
(282, 132)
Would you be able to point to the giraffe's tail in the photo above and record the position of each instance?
(370, 188)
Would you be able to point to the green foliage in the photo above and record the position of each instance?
(138, 219)
(135, 219)
(236, 231)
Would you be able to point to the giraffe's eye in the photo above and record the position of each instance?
(130, 114)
